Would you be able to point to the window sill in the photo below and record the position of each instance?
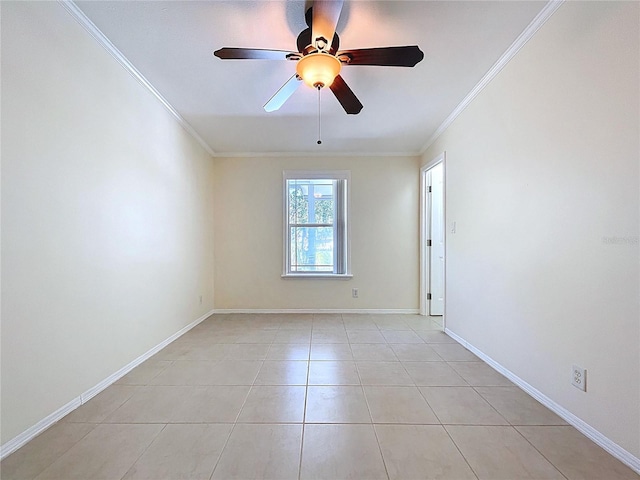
(334, 276)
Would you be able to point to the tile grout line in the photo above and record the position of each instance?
(66, 450)
(473, 387)
(304, 409)
(536, 449)
(145, 450)
(226, 442)
(235, 423)
(459, 451)
(373, 426)
(432, 409)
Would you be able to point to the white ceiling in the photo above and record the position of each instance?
(172, 44)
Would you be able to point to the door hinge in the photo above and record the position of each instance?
(428, 296)
(428, 243)
(429, 189)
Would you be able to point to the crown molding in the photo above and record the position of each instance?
(372, 311)
(102, 39)
(314, 154)
(540, 19)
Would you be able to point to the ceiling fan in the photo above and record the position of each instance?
(319, 60)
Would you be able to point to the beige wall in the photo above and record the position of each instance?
(542, 182)
(249, 235)
(107, 216)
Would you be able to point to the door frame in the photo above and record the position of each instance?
(425, 219)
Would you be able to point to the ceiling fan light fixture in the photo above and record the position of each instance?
(318, 69)
(319, 62)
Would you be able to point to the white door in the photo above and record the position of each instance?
(436, 235)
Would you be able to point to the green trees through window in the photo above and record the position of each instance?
(311, 215)
(316, 221)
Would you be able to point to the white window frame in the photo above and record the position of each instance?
(346, 230)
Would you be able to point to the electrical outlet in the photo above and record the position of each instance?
(354, 292)
(579, 378)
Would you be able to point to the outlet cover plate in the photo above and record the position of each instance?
(579, 378)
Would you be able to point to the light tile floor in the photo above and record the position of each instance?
(313, 396)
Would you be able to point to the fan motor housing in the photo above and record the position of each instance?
(304, 42)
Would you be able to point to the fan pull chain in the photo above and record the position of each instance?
(319, 130)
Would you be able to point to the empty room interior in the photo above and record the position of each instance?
(419, 260)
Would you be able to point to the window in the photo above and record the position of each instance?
(316, 235)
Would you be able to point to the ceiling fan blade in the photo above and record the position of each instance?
(229, 53)
(407, 56)
(283, 94)
(325, 18)
(345, 96)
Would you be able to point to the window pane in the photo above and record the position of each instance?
(324, 210)
(321, 201)
(311, 249)
(310, 201)
(298, 202)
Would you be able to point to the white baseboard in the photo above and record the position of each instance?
(35, 430)
(373, 311)
(586, 429)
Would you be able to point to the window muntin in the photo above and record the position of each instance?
(316, 240)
